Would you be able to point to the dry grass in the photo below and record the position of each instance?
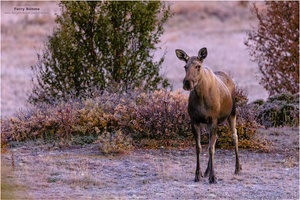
(282, 139)
(11, 188)
(83, 173)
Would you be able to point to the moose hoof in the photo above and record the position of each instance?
(198, 176)
(207, 172)
(212, 179)
(238, 170)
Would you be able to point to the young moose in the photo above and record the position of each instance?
(211, 101)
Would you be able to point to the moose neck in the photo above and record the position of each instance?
(204, 83)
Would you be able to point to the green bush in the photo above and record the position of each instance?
(101, 44)
(278, 110)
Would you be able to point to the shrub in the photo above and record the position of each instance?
(160, 115)
(101, 44)
(119, 121)
(274, 45)
(278, 110)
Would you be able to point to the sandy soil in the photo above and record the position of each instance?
(43, 172)
(219, 26)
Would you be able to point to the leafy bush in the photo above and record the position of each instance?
(101, 44)
(161, 115)
(138, 118)
(278, 110)
(274, 45)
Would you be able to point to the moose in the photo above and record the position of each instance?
(211, 101)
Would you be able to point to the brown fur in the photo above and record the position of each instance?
(211, 101)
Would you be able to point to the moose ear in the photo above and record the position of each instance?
(202, 54)
(181, 55)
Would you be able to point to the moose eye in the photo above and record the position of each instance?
(198, 67)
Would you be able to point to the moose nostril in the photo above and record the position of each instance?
(186, 85)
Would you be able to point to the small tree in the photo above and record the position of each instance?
(100, 45)
(275, 46)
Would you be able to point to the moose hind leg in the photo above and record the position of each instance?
(232, 124)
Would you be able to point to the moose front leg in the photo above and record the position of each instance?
(196, 132)
(207, 171)
(212, 141)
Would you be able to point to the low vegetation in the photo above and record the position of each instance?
(278, 110)
(120, 122)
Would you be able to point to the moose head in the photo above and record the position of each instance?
(193, 67)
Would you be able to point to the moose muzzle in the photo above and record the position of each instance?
(188, 84)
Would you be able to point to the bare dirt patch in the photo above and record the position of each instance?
(41, 172)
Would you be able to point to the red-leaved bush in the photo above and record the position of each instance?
(160, 114)
(117, 122)
(274, 45)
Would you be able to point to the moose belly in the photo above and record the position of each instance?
(201, 115)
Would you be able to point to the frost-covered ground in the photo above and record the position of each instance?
(219, 26)
(41, 171)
